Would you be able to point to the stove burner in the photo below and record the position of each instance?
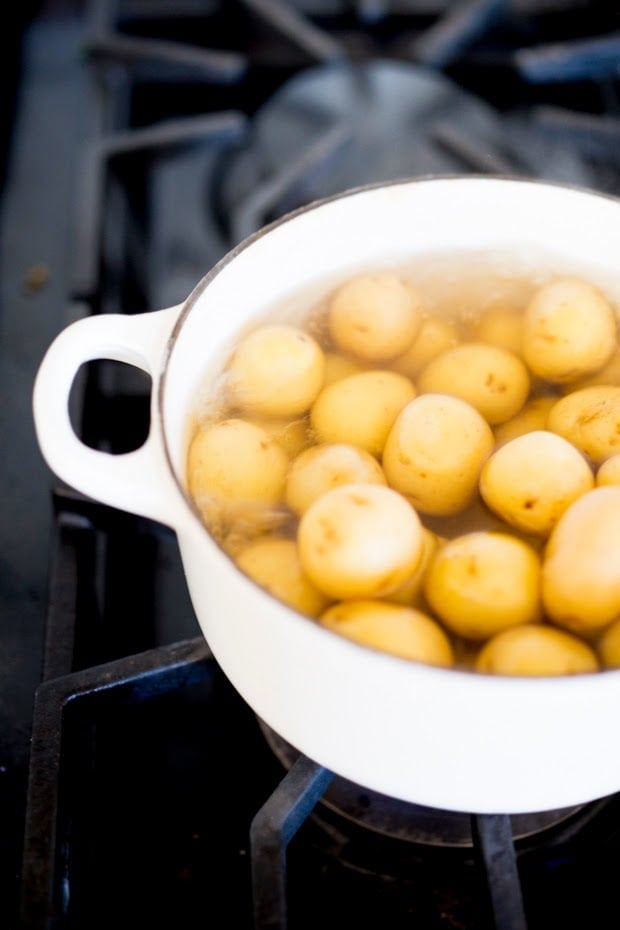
(413, 823)
(335, 127)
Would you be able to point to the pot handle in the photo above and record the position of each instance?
(140, 481)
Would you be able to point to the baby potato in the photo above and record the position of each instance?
(491, 379)
(535, 649)
(501, 328)
(435, 336)
(360, 410)
(359, 541)
(590, 419)
(234, 462)
(531, 417)
(275, 371)
(608, 374)
(482, 583)
(410, 593)
(533, 479)
(569, 330)
(609, 472)
(435, 451)
(339, 366)
(327, 466)
(581, 566)
(401, 631)
(293, 435)
(273, 563)
(374, 316)
(609, 646)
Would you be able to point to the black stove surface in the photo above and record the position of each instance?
(149, 138)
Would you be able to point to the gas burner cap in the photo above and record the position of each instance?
(339, 126)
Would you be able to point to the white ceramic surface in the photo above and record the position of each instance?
(437, 737)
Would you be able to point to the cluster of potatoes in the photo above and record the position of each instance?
(444, 490)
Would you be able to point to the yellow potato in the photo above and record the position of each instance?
(482, 583)
(327, 466)
(360, 410)
(339, 366)
(401, 631)
(374, 316)
(536, 649)
(360, 540)
(581, 567)
(410, 593)
(273, 563)
(569, 330)
(435, 451)
(590, 419)
(533, 479)
(609, 472)
(609, 646)
(435, 336)
(608, 374)
(234, 462)
(491, 379)
(501, 328)
(293, 435)
(531, 417)
(275, 371)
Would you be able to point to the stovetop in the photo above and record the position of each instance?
(150, 137)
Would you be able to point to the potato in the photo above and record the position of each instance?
(609, 646)
(532, 417)
(492, 380)
(360, 410)
(235, 462)
(339, 366)
(536, 649)
(275, 371)
(273, 562)
(609, 472)
(590, 419)
(410, 593)
(374, 316)
(608, 374)
(581, 567)
(533, 479)
(435, 451)
(401, 631)
(435, 336)
(293, 435)
(482, 583)
(569, 330)
(501, 328)
(327, 466)
(359, 541)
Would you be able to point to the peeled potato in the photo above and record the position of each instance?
(535, 649)
(293, 435)
(235, 462)
(435, 451)
(609, 646)
(401, 631)
(533, 416)
(482, 583)
(491, 379)
(275, 371)
(609, 472)
(569, 330)
(533, 479)
(410, 593)
(590, 419)
(608, 374)
(274, 564)
(581, 567)
(435, 336)
(374, 316)
(501, 328)
(360, 540)
(327, 466)
(360, 410)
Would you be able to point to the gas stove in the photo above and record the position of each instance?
(136, 787)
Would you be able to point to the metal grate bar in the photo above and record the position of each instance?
(473, 154)
(593, 134)
(288, 22)
(492, 836)
(271, 831)
(455, 31)
(570, 61)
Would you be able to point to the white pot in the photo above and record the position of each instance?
(442, 738)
